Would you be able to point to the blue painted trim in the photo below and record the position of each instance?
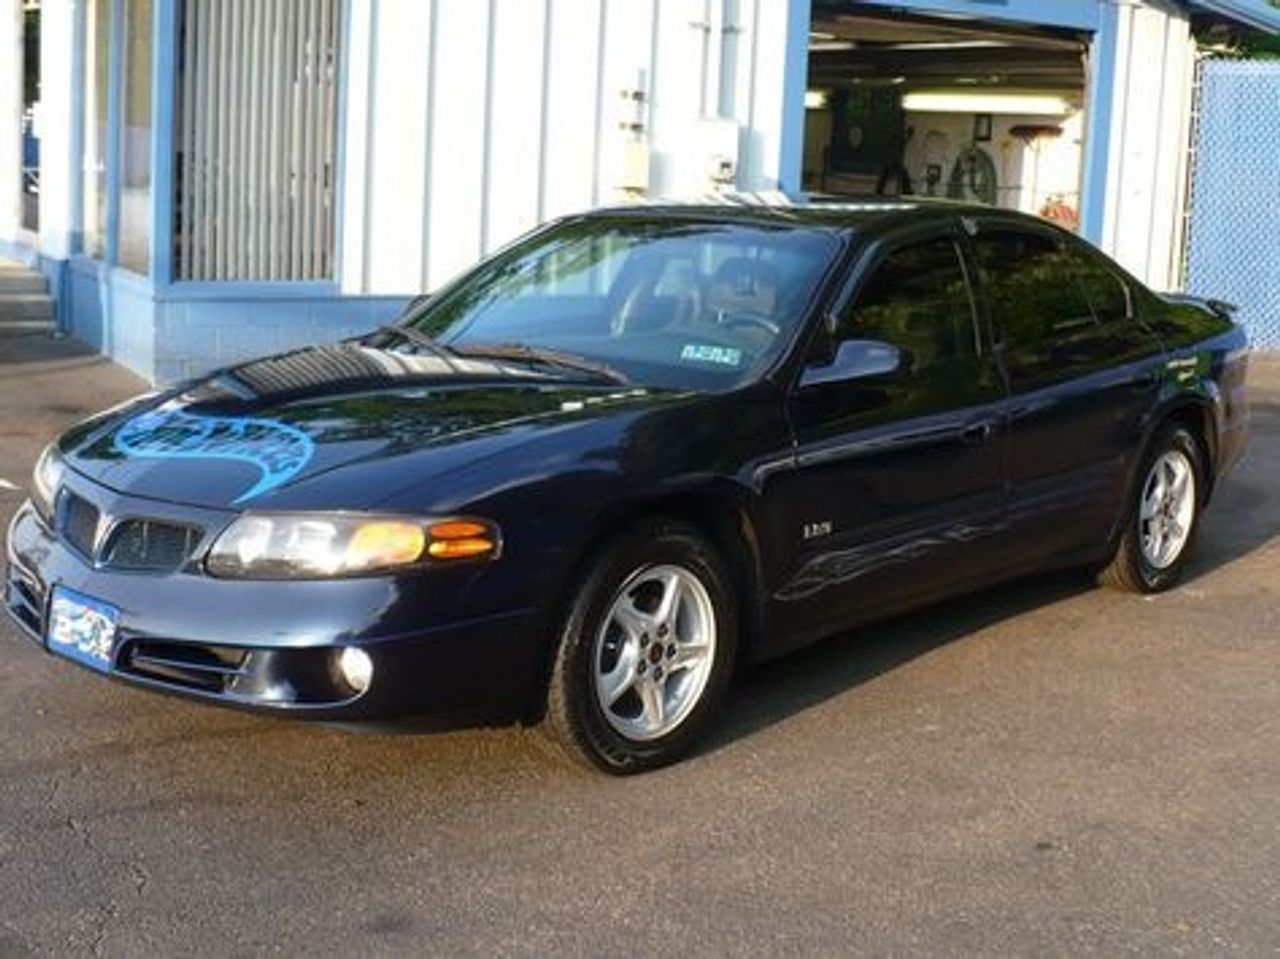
(257, 290)
(164, 81)
(1253, 13)
(1069, 14)
(795, 79)
(85, 265)
(125, 278)
(58, 274)
(1097, 151)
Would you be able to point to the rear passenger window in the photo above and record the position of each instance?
(917, 299)
(1038, 306)
(1106, 293)
(1031, 284)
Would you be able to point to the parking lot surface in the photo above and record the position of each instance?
(1045, 767)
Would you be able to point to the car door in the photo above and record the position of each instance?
(898, 466)
(1082, 373)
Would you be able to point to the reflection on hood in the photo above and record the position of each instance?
(357, 419)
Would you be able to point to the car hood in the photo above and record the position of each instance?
(331, 427)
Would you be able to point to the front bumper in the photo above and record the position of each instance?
(273, 646)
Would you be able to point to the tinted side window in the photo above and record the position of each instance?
(918, 299)
(1030, 281)
(1039, 308)
(1106, 292)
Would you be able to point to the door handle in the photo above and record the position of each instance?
(975, 434)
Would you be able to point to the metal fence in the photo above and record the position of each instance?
(1234, 241)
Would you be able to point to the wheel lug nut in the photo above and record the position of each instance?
(662, 631)
(657, 673)
(644, 639)
(671, 651)
(641, 668)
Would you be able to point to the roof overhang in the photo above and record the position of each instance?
(1257, 14)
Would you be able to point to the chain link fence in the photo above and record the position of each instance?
(1233, 250)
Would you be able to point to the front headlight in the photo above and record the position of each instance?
(322, 545)
(46, 478)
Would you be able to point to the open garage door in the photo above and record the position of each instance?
(945, 106)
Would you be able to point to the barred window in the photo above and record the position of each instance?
(256, 144)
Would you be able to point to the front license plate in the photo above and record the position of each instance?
(82, 628)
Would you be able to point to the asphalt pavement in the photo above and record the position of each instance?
(1043, 768)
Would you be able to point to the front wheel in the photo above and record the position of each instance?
(1162, 517)
(645, 653)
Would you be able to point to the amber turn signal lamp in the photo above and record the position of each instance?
(461, 539)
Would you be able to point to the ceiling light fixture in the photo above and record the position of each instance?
(1022, 104)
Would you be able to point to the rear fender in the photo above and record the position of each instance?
(1191, 393)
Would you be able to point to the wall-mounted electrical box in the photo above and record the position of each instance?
(717, 151)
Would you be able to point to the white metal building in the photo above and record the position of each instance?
(222, 178)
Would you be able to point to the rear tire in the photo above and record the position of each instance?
(1162, 515)
(645, 653)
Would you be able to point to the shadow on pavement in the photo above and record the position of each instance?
(773, 691)
(1244, 515)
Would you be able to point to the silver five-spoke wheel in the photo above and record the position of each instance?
(1167, 509)
(654, 651)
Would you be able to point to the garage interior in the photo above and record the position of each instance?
(956, 107)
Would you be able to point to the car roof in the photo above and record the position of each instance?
(810, 210)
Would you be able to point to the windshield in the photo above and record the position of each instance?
(669, 303)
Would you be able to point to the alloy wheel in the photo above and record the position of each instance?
(1167, 509)
(654, 651)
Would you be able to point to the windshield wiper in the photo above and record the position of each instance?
(539, 354)
(428, 343)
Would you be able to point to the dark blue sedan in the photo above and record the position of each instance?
(630, 451)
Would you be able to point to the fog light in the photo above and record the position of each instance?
(356, 668)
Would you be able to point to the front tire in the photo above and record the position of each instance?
(1162, 517)
(645, 653)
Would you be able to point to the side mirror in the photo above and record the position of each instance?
(857, 360)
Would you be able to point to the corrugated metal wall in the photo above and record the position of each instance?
(1234, 249)
(469, 121)
(1146, 175)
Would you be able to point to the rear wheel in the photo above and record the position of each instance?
(1162, 517)
(645, 653)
